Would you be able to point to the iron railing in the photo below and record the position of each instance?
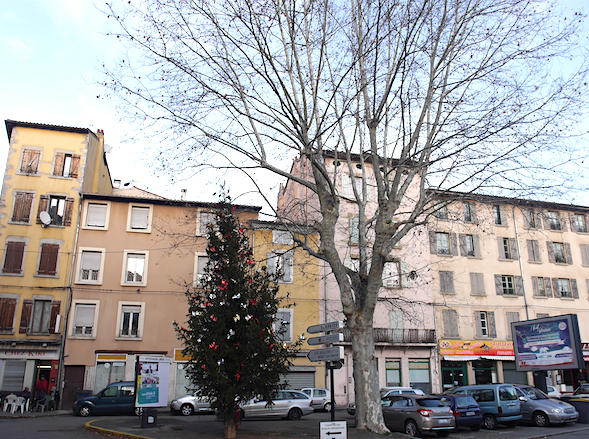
(398, 336)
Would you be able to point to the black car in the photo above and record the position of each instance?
(114, 398)
(467, 412)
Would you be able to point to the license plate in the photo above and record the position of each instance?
(443, 421)
(469, 413)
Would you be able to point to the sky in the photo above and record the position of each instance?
(50, 55)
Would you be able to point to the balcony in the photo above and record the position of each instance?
(398, 336)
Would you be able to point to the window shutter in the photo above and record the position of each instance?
(69, 211)
(433, 243)
(55, 306)
(354, 232)
(48, 259)
(537, 255)
(498, 285)
(513, 247)
(585, 255)
(30, 161)
(454, 244)
(58, 168)
(75, 166)
(477, 320)
(477, 246)
(404, 274)
(462, 241)
(21, 211)
(550, 248)
(14, 257)
(500, 248)
(287, 275)
(572, 221)
(531, 254)
(7, 310)
(446, 281)
(492, 327)
(271, 262)
(91, 260)
(519, 285)
(538, 220)
(450, 323)
(25, 317)
(503, 215)
(43, 201)
(548, 286)
(535, 290)
(526, 214)
(139, 217)
(575, 288)
(96, 215)
(563, 223)
(569, 254)
(346, 185)
(477, 285)
(84, 315)
(556, 284)
(511, 317)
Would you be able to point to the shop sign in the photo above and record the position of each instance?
(476, 347)
(152, 377)
(29, 354)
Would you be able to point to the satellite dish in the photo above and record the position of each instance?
(45, 218)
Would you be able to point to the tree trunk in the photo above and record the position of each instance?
(368, 409)
(230, 428)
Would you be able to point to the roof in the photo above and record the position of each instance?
(10, 124)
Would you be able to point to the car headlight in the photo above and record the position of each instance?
(557, 410)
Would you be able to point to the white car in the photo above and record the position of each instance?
(321, 398)
(289, 404)
(553, 392)
(397, 390)
(189, 404)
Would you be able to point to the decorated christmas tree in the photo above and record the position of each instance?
(231, 338)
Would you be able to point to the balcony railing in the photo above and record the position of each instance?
(398, 336)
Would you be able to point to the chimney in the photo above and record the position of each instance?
(117, 184)
(183, 194)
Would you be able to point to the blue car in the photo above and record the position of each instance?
(467, 412)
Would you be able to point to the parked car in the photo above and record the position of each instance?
(114, 398)
(290, 404)
(498, 402)
(321, 398)
(553, 392)
(386, 391)
(189, 404)
(467, 412)
(414, 414)
(538, 408)
(580, 392)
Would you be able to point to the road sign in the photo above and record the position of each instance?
(333, 430)
(327, 354)
(323, 327)
(326, 339)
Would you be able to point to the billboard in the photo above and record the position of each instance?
(152, 378)
(547, 344)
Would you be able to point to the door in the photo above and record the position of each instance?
(394, 415)
(319, 398)
(453, 374)
(74, 381)
(105, 401)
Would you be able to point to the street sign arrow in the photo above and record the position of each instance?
(326, 339)
(323, 327)
(327, 354)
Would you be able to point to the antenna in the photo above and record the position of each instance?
(45, 218)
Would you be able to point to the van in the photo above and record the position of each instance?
(499, 403)
(114, 398)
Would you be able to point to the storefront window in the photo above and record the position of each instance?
(393, 368)
(419, 375)
(485, 372)
(510, 375)
(453, 374)
(182, 381)
(107, 373)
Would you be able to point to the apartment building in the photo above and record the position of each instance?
(48, 166)
(498, 260)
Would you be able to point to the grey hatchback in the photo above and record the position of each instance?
(413, 414)
(538, 408)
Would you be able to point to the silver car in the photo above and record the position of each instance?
(538, 408)
(189, 404)
(290, 404)
(321, 398)
(414, 414)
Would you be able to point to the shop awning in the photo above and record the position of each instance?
(499, 357)
(461, 357)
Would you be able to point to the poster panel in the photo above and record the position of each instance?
(152, 378)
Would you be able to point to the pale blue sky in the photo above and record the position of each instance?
(50, 51)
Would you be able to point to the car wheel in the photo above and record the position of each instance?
(475, 427)
(511, 424)
(295, 414)
(138, 411)
(186, 410)
(411, 429)
(85, 410)
(443, 433)
(327, 407)
(490, 422)
(540, 419)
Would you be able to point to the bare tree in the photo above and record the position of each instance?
(457, 94)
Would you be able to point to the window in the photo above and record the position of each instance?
(283, 325)
(441, 210)
(282, 237)
(393, 372)
(565, 288)
(66, 165)
(130, 315)
(553, 220)
(559, 253)
(39, 316)
(539, 286)
(470, 245)
(135, 272)
(391, 275)
(443, 240)
(354, 231)
(508, 285)
(507, 249)
(533, 251)
(485, 324)
(469, 212)
(477, 284)
(96, 216)
(84, 318)
(529, 219)
(90, 265)
(450, 317)
(22, 208)
(447, 282)
(7, 314)
(419, 376)
(579, 223)
(59, 208)
(203, 221)
(139, 219)
(14, 257)
(48, 259)
(442, 243)
(30, 161)
(200, 263)
(511, 317)
(281, 263)
(498, 215)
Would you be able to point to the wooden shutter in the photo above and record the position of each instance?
(477, 323)
(548, 286)
(574, 288)
(500, 248)
(30, 161)
(572, 221)
(43, 203)
(538, 216)
(288, 265)
(585, 255)
(531, 254)
(473, 212)
(58, 168)
(511, 317)
(454, 244)
(15, 251)
(503, 215)
(535, 290)
(346, 189)
(492, 326)
(433, 243)
(75, 166)
(450, 323)
(55, 306)
(7, 310)
(21, 211)
(462, 244)
(354, 232)
(477, 246)
(498, 285)
(446, 281)
(568, 253)
(69, 211)
(526, 215)
(48, 259)
(513, 248)
(477, 284)
(519, 286)
(556, 284)
(550, 248)
(271, 262)
(25, 317)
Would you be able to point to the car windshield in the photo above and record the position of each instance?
(430, 402)
(533, 393)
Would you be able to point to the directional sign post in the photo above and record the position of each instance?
(326, 339)
(333, 430)
(324, 327)
(328, 354)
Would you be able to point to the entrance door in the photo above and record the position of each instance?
(453, 374)
(74, 381)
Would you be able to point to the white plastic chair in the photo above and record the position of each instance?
(19, 404)
(9, 402)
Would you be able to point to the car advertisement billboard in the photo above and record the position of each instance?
(153, 376)
(549, 343)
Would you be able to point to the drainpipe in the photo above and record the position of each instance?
(60, 370)
(521, 266)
